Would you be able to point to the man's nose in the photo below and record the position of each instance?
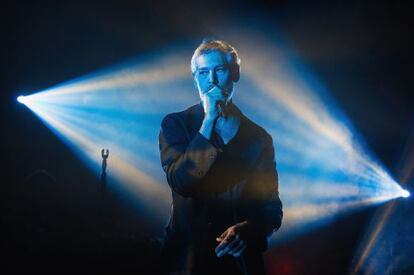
(212, 78)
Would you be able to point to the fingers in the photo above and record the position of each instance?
(210, 100)
(223, 242)
(230, 243)
(215, 93)
(234, 247)
(221, 237)
(237, 251)
(214, 90)
(224, 246)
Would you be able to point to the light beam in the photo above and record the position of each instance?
(324, 168)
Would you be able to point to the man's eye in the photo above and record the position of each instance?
(203, 72)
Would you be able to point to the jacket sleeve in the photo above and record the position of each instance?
(185, 161)
(264, 207)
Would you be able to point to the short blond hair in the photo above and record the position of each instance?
(210, 45)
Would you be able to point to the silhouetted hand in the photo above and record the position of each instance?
(231, 241)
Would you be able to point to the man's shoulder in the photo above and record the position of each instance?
(251, 128)
(186, 112)
(257, 131)
(184, 117)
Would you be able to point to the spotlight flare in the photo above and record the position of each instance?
(405, 193)
(21, 99)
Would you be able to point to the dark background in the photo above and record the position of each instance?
(361, 50)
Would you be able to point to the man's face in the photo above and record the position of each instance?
(212, 69)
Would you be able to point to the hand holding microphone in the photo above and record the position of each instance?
(222, 108)
(214, 102)
(214, 106)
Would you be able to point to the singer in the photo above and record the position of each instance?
(221, 169)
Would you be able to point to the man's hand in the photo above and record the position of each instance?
(210, 102)
(231, 242)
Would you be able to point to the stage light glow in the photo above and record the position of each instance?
(120, 109)
(21, 99)
(324, 168)
(405, 194)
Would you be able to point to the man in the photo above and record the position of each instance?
(221, 170)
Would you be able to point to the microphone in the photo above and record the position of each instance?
(222, 108)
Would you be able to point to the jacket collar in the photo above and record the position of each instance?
(197, 115)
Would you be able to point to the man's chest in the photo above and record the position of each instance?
(227, 128)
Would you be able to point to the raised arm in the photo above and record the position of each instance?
(184, 160)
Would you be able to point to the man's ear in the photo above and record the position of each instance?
(195, 83)
(235, 72)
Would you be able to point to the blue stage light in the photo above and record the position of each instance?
(324, 168)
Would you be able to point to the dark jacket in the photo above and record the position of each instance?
(215, 186)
